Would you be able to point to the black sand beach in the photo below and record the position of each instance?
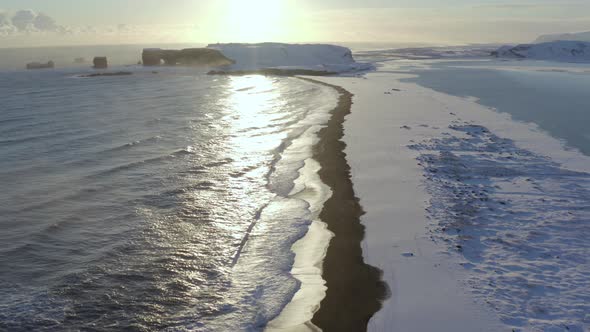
(355, 290)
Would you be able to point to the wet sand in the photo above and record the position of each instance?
(355, 290)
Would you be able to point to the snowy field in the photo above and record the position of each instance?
(479, 222)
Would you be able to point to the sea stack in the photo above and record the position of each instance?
(100, 62)
(37, 65)
(151, 57)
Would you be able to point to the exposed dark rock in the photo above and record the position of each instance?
(186, 57)
(100, 62)
(273, 72)
(119, 73)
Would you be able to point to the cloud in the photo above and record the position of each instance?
(45, 23)
(528, 6)
(28, 21)
(6, 27)
(23, 19)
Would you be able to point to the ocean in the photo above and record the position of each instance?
(552, 96)
(163, 200)
(173, 200)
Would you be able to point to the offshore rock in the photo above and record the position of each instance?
(37, 65)
(100, 62)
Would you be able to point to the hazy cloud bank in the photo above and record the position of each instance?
(27, 27)
(28, 21)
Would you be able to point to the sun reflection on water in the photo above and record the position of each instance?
(255, 103)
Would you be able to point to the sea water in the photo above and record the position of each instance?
(160, 200)
(551, 95)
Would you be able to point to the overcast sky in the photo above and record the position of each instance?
(64, 22)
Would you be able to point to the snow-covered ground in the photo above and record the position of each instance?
(559, 51)
(317, 57)
(564, 51)
(479, 222)
(423, 53)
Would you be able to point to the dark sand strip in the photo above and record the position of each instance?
(355, 289)
(272, 72)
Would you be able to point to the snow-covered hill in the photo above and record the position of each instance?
(316, 57)
(578, 36)
(564, 51)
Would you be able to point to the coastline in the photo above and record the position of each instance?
(354, 289)
(424, 277)
(310, 252)
(407, 145)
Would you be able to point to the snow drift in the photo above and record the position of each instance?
(313, 57)
(566, 51)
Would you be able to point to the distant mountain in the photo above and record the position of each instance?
(578, 36)
(564, 51)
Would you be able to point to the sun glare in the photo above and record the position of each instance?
(256, 20)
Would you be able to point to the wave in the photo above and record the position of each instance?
(145, 141)
(194, 212)
(128, 166)
(298, 198)
(36, 138)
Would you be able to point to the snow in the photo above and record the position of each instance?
(317, 57)
(518, 218)
(580, 36)
(566, 51)
(442, 52)
(479, 222)
(425, 294)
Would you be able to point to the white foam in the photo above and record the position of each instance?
(271, 269)
(310, 252)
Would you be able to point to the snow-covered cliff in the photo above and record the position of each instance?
(565, 51)
(315, 57)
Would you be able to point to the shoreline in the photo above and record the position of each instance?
(453, 187)
(310, 252)
(355, 290)
(427, 295)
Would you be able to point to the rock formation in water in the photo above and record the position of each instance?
(100, 62)
(186, 57)
(119, 73)
(38, 65)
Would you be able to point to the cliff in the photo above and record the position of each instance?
(185, 57)
(320, 58)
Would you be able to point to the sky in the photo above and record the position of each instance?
(26, 23)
